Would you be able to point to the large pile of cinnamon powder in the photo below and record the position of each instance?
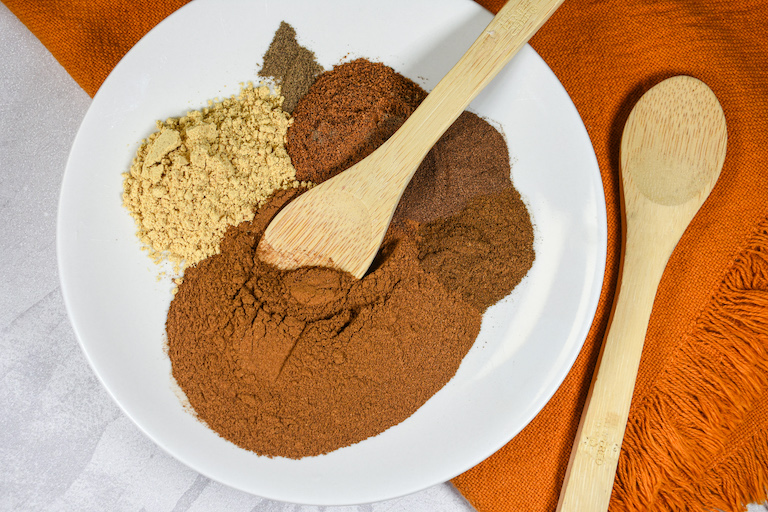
(303, 362)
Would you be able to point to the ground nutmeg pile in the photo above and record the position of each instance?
(300, 363)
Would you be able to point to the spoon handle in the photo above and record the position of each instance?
(509, 30)
(592, 467)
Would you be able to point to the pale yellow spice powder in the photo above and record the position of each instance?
(208, 170)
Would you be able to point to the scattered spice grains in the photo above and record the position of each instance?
(208, 170)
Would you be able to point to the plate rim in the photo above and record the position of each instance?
(597, 287)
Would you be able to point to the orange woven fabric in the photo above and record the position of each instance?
(697, 437)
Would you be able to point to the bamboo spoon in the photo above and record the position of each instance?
(341, 222)
(672, 150)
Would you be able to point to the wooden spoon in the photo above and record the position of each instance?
(341, 222)
(672, 150)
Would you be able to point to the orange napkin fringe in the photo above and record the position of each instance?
(684, 426)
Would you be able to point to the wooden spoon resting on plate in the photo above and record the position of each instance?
(341, 222)
(672, 151)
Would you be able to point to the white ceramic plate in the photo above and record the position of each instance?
(528, 341)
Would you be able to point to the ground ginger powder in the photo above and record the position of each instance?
(208, 170)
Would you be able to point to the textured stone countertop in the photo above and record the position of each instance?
(64, 444)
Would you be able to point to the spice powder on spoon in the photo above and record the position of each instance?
(300, 363)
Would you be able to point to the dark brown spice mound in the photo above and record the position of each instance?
(352, 109)
(304, 362)
(471, 158)
(484, 251)
(348, 112)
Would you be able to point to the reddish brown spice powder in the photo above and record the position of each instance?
(471, 158)
(347, 113)
(301, 363)
(304, 362)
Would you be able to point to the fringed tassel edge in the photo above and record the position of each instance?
(678, 451)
